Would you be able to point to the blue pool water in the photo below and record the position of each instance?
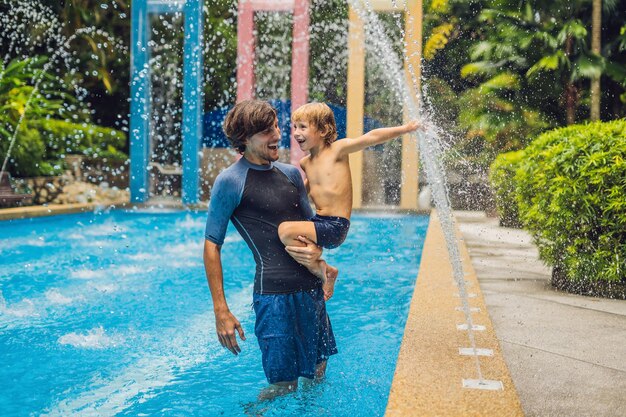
(109, 314)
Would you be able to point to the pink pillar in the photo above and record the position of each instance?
(245, 51)
(299, 59)
(299, 67)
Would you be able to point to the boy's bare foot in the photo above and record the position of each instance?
(319, 270)
(328, 274)
(329, 284)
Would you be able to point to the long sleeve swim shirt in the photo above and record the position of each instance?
(257, 198)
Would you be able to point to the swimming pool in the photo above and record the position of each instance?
(110, 314)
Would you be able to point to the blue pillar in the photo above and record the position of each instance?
(192, 101)
(140, 95)
(140, 103)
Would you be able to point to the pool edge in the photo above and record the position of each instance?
(54, 209)
(25, 212)
(429, 371)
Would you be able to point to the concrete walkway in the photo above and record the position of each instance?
(566, 353)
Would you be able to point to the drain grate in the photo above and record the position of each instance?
(486, 384)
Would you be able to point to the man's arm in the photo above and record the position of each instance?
(375, 137)
(305, 255)
(225, 322)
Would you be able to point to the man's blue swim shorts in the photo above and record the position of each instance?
(294, 334)
(331, 231)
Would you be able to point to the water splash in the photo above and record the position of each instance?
(429, 145)
(22, 309)
(188, 347)
(94, 339)
(54, 296)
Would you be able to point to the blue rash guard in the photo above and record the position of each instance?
(257, 198)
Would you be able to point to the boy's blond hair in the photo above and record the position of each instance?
(319, 115)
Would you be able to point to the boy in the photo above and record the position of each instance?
(329, 182)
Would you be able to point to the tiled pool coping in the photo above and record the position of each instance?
(430, 370)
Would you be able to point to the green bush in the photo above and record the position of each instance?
(64, 138)
(41, 147)
(571, 189)
(502, 179)
(28, 154)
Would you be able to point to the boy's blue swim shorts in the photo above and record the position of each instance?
(331, 231)
(294, 334)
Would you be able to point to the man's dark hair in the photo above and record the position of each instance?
(246, 119)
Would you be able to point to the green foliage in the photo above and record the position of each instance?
(27, 156)
(90, 39)
(20, 100)
(443, 103)
(17, 88)
(42, 145)
(63, 138)
(502, 179)
(571, 187)
(437, 40)
(34, 117)
(439, 6)
(496, 119)
(538, 42)
(521, 67)
(101, 54)
(328, 61)
(220, 53)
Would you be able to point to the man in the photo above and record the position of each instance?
(257, 194)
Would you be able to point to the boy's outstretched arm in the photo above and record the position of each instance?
(376, 137)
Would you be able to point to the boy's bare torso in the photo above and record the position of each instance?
(329, 181)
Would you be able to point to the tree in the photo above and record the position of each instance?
(501, 71)
(543, 45)
(596, 29)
